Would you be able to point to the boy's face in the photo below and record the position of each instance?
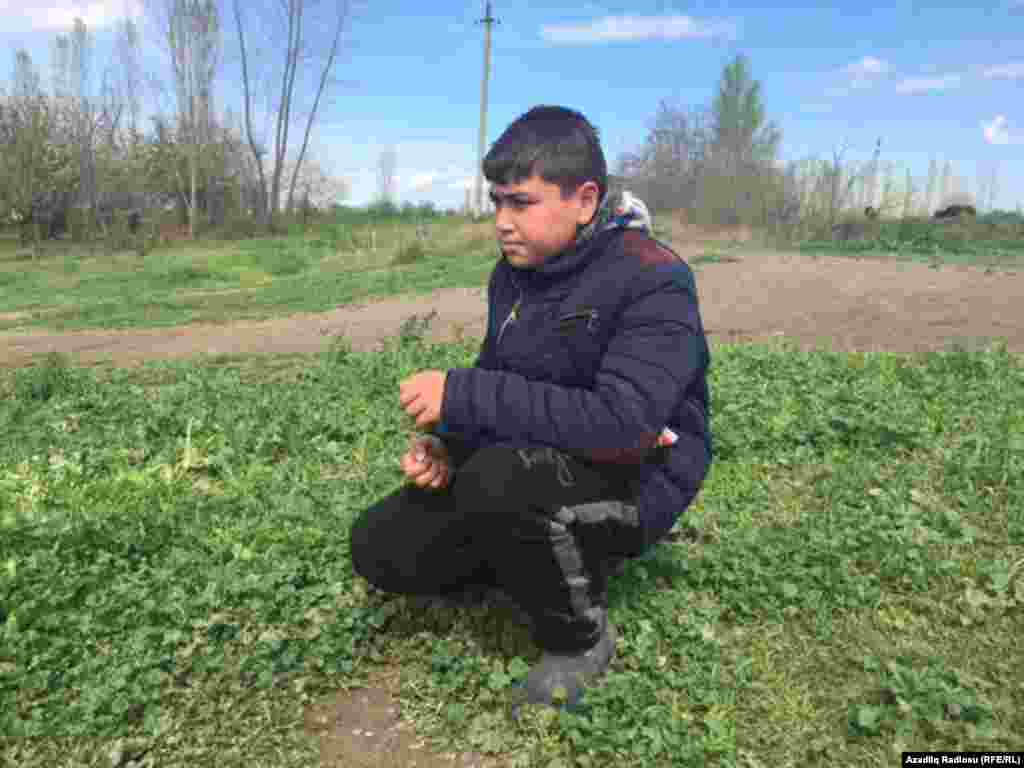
(534, 223)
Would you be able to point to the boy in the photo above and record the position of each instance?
(548, 463)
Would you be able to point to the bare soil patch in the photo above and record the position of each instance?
(753, 295)
(364, 729)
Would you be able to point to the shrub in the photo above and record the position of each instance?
(76, 224)
(410, 254)
(337, 237)
(50, 378)
(284, 258)
(118, 236)
(239, 228)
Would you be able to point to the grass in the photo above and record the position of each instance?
(994, 240)
(174, 570)
(216, 282)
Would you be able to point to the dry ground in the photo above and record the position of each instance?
(754, 295)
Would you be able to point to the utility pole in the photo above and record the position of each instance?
(488, 21)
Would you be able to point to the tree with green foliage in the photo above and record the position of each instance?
(34, 165)
(743, 147)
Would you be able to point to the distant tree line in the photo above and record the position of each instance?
(719, 166)
(76, 155)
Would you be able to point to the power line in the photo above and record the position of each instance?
(488, 20)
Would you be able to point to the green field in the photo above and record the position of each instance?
(174, 555)
(174, 566)
(220, 281)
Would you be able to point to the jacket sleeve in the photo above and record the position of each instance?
(653, 355)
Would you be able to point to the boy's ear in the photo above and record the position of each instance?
(588, 196)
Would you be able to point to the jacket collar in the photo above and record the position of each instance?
(618, 211)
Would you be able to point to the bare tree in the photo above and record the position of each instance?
(871, 180)
(191, 31)
(296, 51)
(317, 187)
(933, 187)
(86, 117)
(129, 58)
(838, 192)
(946, 186)
(386, 166)
(992, 187)
(73, 90)
(887, 202)
(909, 195)
(669, 167)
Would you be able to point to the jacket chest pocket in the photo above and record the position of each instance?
(555, 346)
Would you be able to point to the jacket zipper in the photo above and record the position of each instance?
(513, 315)
(591, 315)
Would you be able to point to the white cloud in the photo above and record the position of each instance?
(869, 66)
(626, 28)
(1012, 71)
(863, 72)
(422, 181)
(452, 178)
(925, 84)
(996, 132)
(60, 14)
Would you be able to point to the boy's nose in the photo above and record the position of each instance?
(503, 229)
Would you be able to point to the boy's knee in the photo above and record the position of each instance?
(485, 474)
(358, 534)
(364, 550)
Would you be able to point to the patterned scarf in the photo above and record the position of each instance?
(617, 210)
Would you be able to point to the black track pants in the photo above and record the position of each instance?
(540, 525)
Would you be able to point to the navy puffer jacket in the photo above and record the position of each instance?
(594, 353)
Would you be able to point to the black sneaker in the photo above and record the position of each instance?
(558, 680)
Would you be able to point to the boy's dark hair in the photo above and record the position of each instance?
(556, 143)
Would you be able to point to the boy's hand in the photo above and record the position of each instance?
(427, 463)
(422, 395)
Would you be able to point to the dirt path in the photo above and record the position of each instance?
(861, 305)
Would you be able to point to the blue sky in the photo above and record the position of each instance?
(942, 80)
